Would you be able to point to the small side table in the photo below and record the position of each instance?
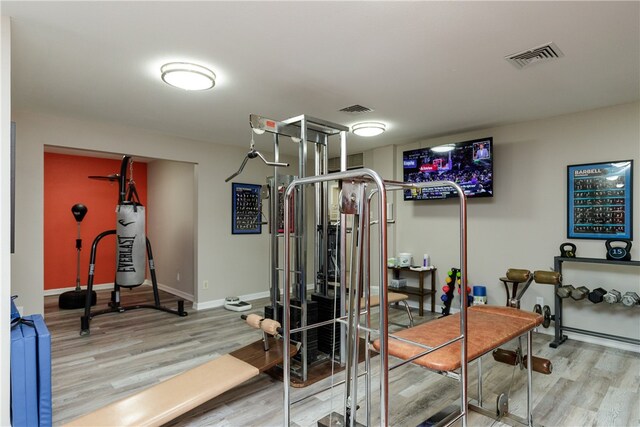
(419, 291)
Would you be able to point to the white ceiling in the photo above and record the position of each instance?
(426, 68)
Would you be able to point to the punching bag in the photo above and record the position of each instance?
(131, 246)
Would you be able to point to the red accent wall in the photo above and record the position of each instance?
(66, 183)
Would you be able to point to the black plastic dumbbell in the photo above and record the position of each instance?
(597, 295)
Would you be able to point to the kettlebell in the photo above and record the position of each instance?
(618, 253)
(568, 253)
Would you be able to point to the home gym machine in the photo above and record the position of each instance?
(132, 246)
(302, 130)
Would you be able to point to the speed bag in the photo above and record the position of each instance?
(131, 245)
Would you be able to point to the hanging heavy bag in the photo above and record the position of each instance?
(131, 245)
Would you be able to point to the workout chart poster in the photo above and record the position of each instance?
(599, 200)
(246, 214)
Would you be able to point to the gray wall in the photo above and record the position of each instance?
(523, 225)
(232, 264)
(171, 212)
(5, 260)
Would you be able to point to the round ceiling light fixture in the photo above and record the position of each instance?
(368, 128)
(187, 76)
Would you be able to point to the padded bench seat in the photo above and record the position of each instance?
(163, 402)
(488, 327)
(392, 297)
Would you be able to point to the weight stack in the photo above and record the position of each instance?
(312, 334)
(325, 333)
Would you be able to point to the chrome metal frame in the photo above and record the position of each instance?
(355, 292)
(359, 290)
(302, 130)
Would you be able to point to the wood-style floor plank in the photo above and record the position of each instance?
(127, 352)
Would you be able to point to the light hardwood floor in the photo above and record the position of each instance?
(126, 352)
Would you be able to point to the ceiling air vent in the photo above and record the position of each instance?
(354, 161)
(356, 109)
(545, 52)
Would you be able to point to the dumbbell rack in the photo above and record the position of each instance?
(559, 327)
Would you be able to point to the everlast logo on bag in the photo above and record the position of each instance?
(125, 254)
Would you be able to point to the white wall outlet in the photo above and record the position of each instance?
(178, 277)
(205, 284)
(540, 300)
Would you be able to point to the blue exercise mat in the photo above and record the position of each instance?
(18, 378)
(43, 361)
(30, 373)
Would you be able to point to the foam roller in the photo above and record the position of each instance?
(544, 366)
(547, 277)
(509, 357)
(518, 275)
(254, 320)
(270, 326)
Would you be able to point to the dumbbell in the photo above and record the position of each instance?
(613, 296)
(579, 293)
(597, 295)
(630, 299)
(564, 291)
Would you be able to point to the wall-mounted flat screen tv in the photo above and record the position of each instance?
(469, 164)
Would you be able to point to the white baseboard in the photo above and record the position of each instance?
(177, 292)
(220, 302)
(104, 286)
(59, 291)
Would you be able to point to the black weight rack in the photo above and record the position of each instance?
(559, 327)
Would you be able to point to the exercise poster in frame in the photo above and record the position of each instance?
(599, 200)
(246, 215)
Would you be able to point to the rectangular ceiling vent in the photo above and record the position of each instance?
(545, 52)
(354, 161)
(356, 109)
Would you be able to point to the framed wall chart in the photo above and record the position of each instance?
(246, 214)
(599, 200)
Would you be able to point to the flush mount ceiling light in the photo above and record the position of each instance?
(187, 76)
(443, 148)
(368, 128)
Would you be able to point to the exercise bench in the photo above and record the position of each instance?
(163, 402)
(488, 327)
(392, 298)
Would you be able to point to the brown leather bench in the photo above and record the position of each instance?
(488, 327)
